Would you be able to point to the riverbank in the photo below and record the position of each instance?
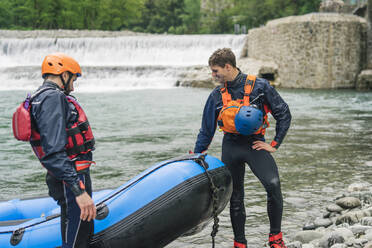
(345, 222)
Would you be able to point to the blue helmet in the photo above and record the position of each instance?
(248, 120)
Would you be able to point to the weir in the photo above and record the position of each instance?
(126, 62)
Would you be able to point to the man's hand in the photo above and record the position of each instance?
(87, 208)
(260, 145)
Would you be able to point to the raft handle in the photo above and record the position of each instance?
(17, 236)
(102, 211)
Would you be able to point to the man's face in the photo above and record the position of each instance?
(220, 74)
(71, 84)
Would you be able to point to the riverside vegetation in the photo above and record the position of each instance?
(153, 16)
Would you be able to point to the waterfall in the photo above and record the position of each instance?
(111, 63)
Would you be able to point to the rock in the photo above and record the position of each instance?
(339, 246)
(345, 232)
(334, 208)
(352, 217)
(366, 221)
(368, 245)
(307, 246)
(368, 235)
(296, 244)
(309, 226)
(319, 222)
(307, 236)
(359, 243)
(358, 230)
(329, 239)
(331, 6)
(348, 202)
(364, 81)
(362, 186)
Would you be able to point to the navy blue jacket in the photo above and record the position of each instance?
(264, 94)
(51, 114)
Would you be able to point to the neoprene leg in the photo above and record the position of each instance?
(264, 167)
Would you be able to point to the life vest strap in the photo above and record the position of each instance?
(80, 128)
(87, 146)
(35, 142)
(83, 164)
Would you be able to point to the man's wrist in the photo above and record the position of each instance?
(76, 189)
(275, 144)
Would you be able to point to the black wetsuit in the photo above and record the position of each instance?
(51, 115)
(237, 150)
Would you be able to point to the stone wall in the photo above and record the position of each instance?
(318, 50)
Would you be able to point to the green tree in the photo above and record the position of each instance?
(119, 14)
(161, 16)
(191, 16)
(5, 15)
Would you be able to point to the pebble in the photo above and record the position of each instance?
(334, 208)
(366, 221)
(319, 222)
(307, 236)
(346, 223)
(348, 202)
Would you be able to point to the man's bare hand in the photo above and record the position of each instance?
(87, 207)
(260, 145)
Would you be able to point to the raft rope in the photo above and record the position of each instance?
(18, 233)
(214, 193)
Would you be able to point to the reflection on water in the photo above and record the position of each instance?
(328, 147)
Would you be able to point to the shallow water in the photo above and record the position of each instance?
(328, 147)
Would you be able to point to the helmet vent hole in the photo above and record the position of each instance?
(60, 64)
(50, 64)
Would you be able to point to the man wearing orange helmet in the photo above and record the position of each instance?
(62, 139)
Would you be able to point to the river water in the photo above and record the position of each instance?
(328, 146)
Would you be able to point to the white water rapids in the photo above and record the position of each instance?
(112, 63)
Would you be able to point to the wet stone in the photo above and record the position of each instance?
(334, 208)
(296, 244)
(366, 221)
(360, 243)
(307, 236)
(339, 246)
(330, 239)
(359, 229)
(348, 202)
(309, 226)
(319, 222)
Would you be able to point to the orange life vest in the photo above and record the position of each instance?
(226, 118)
(79, 135)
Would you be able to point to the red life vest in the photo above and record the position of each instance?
(80, 136)
(80, 139)
(226, 118)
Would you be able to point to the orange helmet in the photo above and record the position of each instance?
(57, 63)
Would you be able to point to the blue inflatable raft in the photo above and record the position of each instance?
(173, 198)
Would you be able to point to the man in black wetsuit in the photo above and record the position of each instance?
(238, 149)
(63, 141)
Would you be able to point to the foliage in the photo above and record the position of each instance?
(155, 16)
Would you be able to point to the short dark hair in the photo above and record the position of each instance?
(221, 57)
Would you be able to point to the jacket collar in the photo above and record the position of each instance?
(48, 83)
(234, 83)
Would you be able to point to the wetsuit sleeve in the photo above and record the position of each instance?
(208, 126)
(280, 111)
(50, 115)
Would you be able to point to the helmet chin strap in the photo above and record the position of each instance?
(66, 84)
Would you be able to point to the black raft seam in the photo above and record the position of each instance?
(154, 205)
